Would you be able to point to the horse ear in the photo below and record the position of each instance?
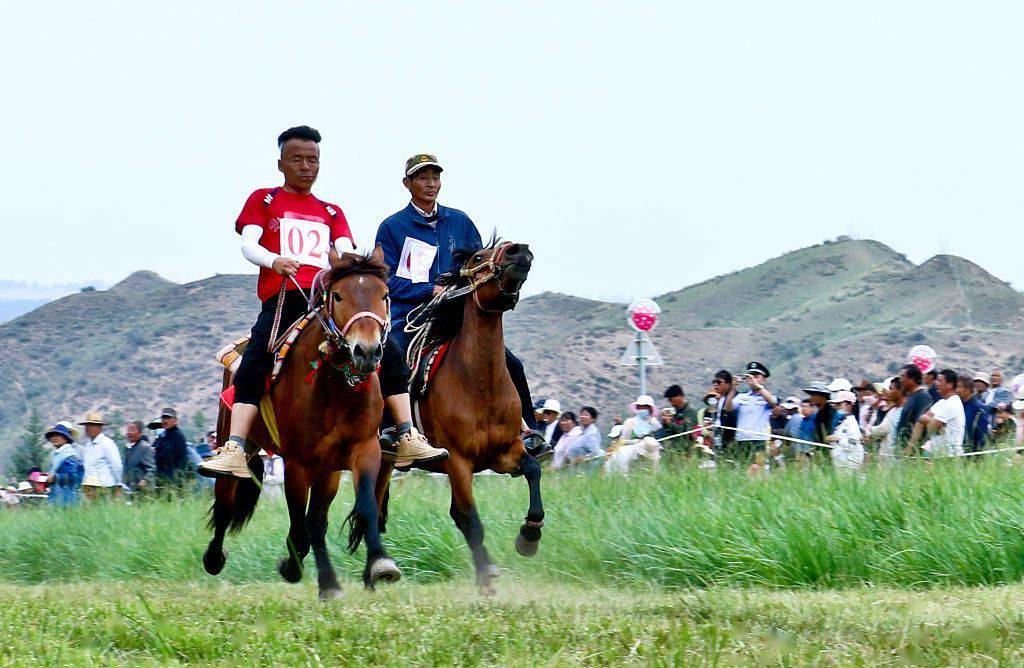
(378, 255)
(333, 258)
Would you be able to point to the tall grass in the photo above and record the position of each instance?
(908, 526)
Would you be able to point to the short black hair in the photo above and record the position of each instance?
(966, 381)
(298, 132)
(568, 415)
(913, 373)
(674, 391)
(724, 375)
(591, 410)
(933, 373)
(949, 375)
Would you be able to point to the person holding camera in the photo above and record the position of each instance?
(753, 410)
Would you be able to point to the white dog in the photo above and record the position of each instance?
(620, 460)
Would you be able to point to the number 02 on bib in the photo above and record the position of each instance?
(305, 241)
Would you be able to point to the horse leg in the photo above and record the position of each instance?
(321, 496)
(365, 470)
(383, 492)
(220, 517)
(528, 540)
(463, 512)
(296, 490)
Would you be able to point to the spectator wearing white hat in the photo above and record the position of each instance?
(944, 421)
(845, 439)
(753, 410)
(549, 412)
(101, 458)
(644, 420)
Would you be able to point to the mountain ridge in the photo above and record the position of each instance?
(845, 307)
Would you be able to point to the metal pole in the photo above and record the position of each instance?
(640, 357)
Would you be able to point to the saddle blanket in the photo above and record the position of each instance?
(430, 362)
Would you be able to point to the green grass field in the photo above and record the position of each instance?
(909, 564)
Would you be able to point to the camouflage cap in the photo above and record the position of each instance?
(419, 161)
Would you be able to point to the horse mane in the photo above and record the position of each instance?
(354, 263)
(446, 318)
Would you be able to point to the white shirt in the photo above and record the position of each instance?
(752, 416)
(949, 442)
(102, 461)
(424, 213)
(848, 451)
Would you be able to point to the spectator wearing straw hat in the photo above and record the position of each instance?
(884, 433)
(847, 449)
(101, 458)
(171, 451)
(66, 468)
(753, 409)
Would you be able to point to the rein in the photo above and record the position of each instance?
(335, 340)
(420, 327)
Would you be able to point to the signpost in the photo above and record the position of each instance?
(642, 316)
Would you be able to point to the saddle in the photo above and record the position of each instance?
(429, 361)
(230, 356)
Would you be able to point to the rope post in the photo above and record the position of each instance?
(640, 361)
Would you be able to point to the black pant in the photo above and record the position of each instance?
(518, 373)
(251, 380)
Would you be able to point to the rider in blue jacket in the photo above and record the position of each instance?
(418, 243)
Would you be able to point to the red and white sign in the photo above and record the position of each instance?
(305, 241)
(642, 315)
(923, 357)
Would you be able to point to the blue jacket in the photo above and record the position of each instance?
(454, 230)
(67, 481)
(976, 431)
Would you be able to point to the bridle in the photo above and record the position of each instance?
(494, 269)
(335, 336)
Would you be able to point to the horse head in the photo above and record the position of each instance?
(358, 307)
(497, 274)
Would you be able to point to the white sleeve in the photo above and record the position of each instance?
(251, 249)
(942, 411)
(344, 245)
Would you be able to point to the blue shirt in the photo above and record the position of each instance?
(976, 425)
(453, 230)
(752, 413)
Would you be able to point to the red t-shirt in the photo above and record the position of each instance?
(299, 227)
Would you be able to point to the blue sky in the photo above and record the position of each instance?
(638, 147)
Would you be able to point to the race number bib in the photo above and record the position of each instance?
(305, 241)
(417, 258)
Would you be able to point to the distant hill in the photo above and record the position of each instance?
(848, 307)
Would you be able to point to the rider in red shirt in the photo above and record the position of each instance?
(288, 232)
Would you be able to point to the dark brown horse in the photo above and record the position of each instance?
(472, 407)
(327, 422)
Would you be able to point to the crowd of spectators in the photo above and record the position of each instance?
(739, 420)
(932, 415)
(85, 464)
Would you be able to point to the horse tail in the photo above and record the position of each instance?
(247, 493)
(382, 491)
(356, 531)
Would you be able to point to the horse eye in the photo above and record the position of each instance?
(337, 296)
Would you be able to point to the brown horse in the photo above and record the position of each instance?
(327, 422)
(472, 407)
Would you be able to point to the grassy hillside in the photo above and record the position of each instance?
(849, 307)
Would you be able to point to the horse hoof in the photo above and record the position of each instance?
(284, 569)
(526, 548)
(332, 594)
(485, 579)
(384, 570)
(213, 562)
